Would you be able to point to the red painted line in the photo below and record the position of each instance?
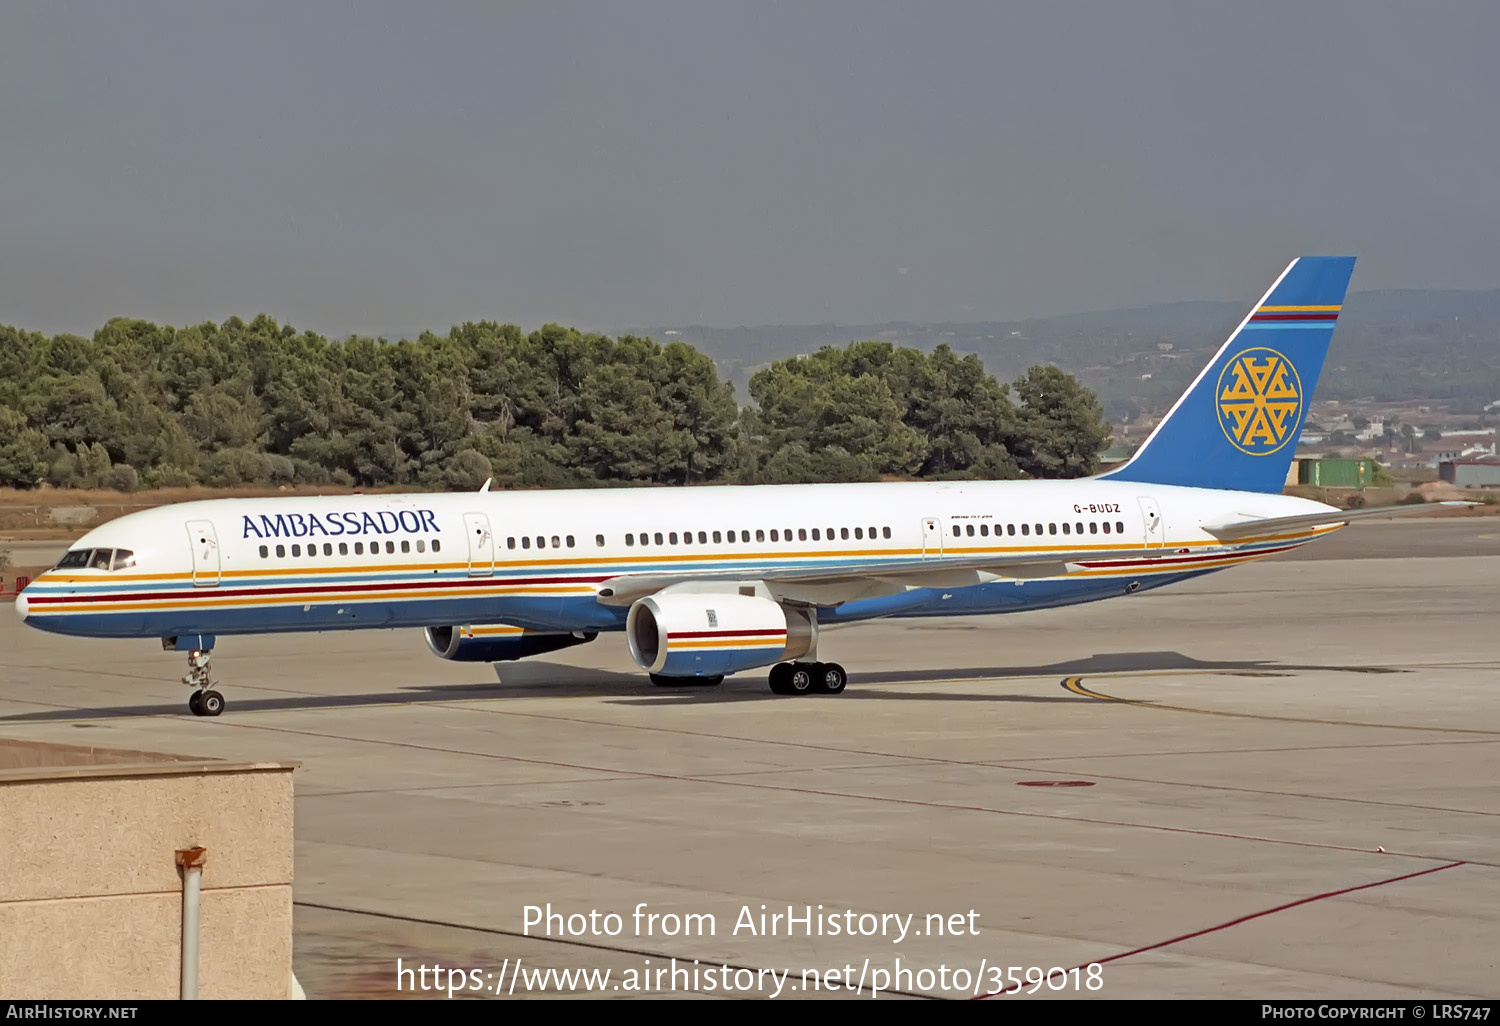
(1295, 317)
(1242, 919)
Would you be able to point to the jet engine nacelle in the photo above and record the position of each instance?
(706, 634)
(497, 642)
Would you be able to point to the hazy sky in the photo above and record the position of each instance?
(359, 167)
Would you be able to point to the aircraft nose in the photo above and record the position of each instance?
(22, 605)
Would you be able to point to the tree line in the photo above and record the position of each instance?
(259, 403)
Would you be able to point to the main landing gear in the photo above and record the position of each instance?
(808, 678)
(205, 701)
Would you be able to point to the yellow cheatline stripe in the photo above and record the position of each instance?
(206, 600)
(729, 643)
(1300, 309)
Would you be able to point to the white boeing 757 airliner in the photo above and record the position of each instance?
(711, 581)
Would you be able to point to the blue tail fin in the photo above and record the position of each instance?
(1236, 426)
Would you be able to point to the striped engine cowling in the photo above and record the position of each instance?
(496, 642)
(706, 634)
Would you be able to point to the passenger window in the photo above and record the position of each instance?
(760, 535)
(957, 531)
(541, 541)
(296, 550)
(702, 537)
(718, 537)
(421, 545)
(886, 531)
(731, 536)
(1026, 529)
(1010, 529)
(1078, 529)
(815, 535)
(844, 533)
(328, 548)
(510, 543)
(1093, 527)
(390, 548)
(1119, 527)
(1038, 528)
(658, 538)
(555, 540)
(405, 545)
(1065, 527)
(525, 542)
(970, 531)
(312, 551)
(802, 534)
(984, 530)
(672, 537)
(1051, 528)
(437, 546)
(101, 559)
(570, 541)
(1106, 527)
(630, 540)
(281, 552)
(599, 540)
(775, 534)
(264, 552)
(859, 533)
(359, 548)
(344, 548)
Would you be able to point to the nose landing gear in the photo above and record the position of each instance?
(205, 701)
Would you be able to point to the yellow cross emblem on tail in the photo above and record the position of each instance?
(1260, 401)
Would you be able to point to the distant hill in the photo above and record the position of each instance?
(1391, 345)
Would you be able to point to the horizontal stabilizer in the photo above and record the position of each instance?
(1250, 527)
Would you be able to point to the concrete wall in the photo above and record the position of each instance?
(90, 893)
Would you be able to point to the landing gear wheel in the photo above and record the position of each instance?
(778, 678)
(211, 703)
(801, 678)
(831, 678)
(710, 682)
(195, 703)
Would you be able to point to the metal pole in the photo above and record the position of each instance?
(190, 860)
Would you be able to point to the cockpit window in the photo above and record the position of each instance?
(97, 559)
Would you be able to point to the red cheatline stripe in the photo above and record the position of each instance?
(776, 633)
(1244, 919)
(315, 589)
(1295, 317)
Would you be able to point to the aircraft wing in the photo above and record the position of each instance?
(845, 581)
(1232, 530)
